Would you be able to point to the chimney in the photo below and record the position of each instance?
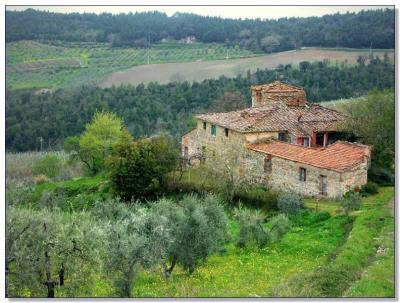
(277, 92)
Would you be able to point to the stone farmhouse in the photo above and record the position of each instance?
(282, 142)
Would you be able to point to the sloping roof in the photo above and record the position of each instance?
(339, 156)
(298, 120)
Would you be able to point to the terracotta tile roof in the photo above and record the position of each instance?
(339, 156)
(278, 116)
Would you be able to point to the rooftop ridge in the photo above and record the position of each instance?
(276, 83)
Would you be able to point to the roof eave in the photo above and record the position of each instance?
(297, 161)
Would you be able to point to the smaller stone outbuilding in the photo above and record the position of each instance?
(328, 172)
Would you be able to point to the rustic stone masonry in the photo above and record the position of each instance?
(277, 143)
(277, 91)
(284, 175)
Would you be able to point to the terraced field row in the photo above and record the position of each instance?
(46, 63)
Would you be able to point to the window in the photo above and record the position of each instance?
(303, 173)
(203, 154)
(186, 152)
(306, 142)
(258, 95)
(267, 164)
(226, 132)
(282, 137)
(213, 130)
(320, 139)
(204, 125)
(324, 185)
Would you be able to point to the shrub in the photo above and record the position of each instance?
(380, 175)
(308, 218)
(289, 203)
(49, 165)
(280, 225)
(179, 187)
(98, 140)
(258, 197)
(251, 228)
(138, 168)
(368, 189)
(350, 202)
(320, 216)
(40, 179)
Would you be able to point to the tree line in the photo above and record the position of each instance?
(155, 108)
(373, 28)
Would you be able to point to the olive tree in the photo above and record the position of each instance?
(289, 203)
(251, 228)
(49, 250)
(350, 202)
(198, 227)
(136, 240)
(280, 225)
(17, 227)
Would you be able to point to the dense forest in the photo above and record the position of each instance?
(374, 28)
(154, 108)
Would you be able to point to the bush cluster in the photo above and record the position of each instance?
(253, 230)
(290, 203)
(368, 189)
(280, 225)
(351, 201)
(138, 168)
(258, 197)
(49, 165)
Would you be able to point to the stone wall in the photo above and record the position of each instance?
(260, 136)
(285, 176)
(356, 177)
(199, 137)
(295, 97)
(190, 140)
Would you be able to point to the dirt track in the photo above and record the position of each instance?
(197, 71)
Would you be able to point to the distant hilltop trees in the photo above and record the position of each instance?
(373, 28)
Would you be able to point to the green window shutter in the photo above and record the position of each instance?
(213, 130)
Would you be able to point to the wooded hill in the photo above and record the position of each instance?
(374, 28)
(150, 109)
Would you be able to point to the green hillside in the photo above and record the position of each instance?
(32, 64)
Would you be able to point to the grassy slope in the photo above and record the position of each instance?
(31, 64)
(377, 279)
(313, 259)
(356, 256)
(78, 194)
(251, 272)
